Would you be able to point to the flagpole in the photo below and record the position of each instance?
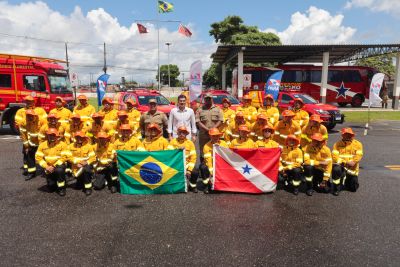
(158, 46)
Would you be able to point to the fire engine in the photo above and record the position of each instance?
(42, 78)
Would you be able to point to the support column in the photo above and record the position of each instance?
(324, 77)
(396, 86)
(240, 74)
(223, 78)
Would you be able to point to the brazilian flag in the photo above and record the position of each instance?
(165, 7)
(156, 172)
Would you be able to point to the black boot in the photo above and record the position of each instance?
(61, 192)
(113, 189)
(295, 191)
(88, 192)
(206, 189)
(30, 176)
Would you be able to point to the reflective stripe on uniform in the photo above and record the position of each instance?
(88, 186)
(296, 182)
(309, 178)
(61, 184)
(336, 181)
(206, 181)
(32, 169)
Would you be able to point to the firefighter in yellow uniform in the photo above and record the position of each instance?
(290, 170)
(206, 167)
(270, 110)
(20, 116)
(76, 125)
(126, 140)
(256, 129)
(134, 117)
(300, 115)
(317, 164)
(123, 118)
(110, 114)
(84, 109)
(286, 127)
(98, 125)
(105, 167)
(181, 142)
(243, 141)
(229, 115)
(250, 112)
(314, 126)
(30, 137)
(154, 140)
(63, 113)
(52, 122)
(81, 156)
(51, 156)
(346, 154)
(267, 141)
(233, 130)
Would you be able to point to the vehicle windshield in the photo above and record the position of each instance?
(217, 99)
(161, 100)
(60, 85)
(306, 98)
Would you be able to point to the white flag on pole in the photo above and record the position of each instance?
(375, 88)
(195, 86)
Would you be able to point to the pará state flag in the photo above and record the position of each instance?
(156, 172)
(273, 84)
(246, 170)
(101, 87)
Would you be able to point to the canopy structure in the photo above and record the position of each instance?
(327, 54)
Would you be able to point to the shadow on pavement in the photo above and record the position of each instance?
(133, 206)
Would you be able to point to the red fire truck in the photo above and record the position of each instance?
(42, 78)
(346, 84)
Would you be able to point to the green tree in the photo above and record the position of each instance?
(174, 74)
(383, 63)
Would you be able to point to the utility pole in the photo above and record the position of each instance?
(105, 61)
(66, 59)
(169, 75)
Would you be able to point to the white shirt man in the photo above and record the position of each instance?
(182, 116)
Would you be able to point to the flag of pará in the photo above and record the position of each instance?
(156, 172)
(246, 170)
(101, 87)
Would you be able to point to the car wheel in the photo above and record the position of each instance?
(357, 101)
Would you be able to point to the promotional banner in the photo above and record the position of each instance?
(157, 172)
(375, 88)
(273, 84)
(101, 87)
(195, 86)
(246, 170)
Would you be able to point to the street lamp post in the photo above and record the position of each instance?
(169, 77)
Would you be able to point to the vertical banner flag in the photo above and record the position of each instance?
(141, 28)
(101, 87)
(273, 84)
(165, 7)
(195, 86)
(375, 88)
(185, 31)
(246, 170)
(157, 172)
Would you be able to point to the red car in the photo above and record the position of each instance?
(329, 114)
(141, 97)
(218, 96)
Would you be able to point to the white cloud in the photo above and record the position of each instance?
(389, 6)
(86, 33)
(316, 26)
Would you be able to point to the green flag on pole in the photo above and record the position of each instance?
(165, 7)
(157, 172)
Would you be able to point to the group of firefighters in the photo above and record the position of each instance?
(83, 143)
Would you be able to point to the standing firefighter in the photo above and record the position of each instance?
(98, 125)
(63, 113)
(301, 116)
(181, 142)
(290, 165)
(30, 138)
(110, 114)
(51, 156)
(228, 113)
(207, 117)
(232, 132)
(52, 122)
(206, 166)
(134, 117)
(270, 110)
(314, 126)
(84, 109)
(286, 127)
(250, 112)
(317, 164)
(347, 154)
(76, 125)
(81, 155)
(256, 129)
(105, 166)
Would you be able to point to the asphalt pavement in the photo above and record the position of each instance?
(39, 228)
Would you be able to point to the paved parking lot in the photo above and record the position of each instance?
(39, 228)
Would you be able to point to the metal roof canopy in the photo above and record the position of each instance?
(301, 53)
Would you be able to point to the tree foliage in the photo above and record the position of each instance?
(174, 74)
(383, 63)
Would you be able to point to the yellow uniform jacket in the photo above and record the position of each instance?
(313, 155)
(190, 151)
(344, 152)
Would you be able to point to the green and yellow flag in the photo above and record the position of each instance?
(165, 7)
(157, 172)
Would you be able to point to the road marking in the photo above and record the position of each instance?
(393, 167)
(9, 137)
